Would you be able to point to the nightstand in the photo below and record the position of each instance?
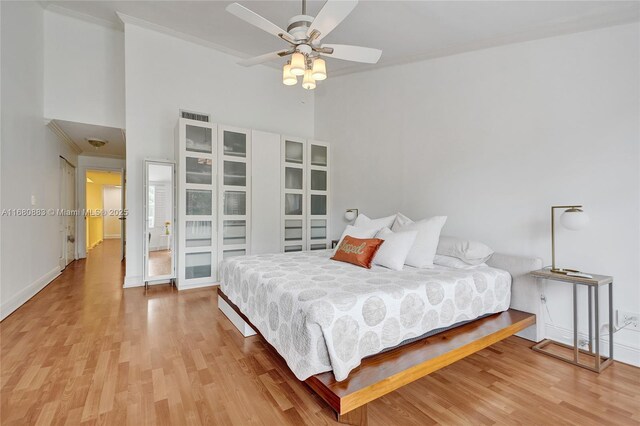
(593, 289)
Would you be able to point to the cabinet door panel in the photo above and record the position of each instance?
(199, 139)
(198, 233)
(234, 143)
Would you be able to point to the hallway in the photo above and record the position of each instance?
(85, 351)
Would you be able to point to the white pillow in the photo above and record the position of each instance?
(393, 252)
(362, 233)
(424, 248)
(401, 220)
(471, 252)
(454, 262)
(365, 222)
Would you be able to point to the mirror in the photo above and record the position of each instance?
(160, 220)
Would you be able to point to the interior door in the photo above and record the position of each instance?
(69, 204)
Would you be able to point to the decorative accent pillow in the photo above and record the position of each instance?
(424, 248)
(471, 252)
(393, 253)
(363, 221)
(358, 251)
(357, 233)
(454, 262)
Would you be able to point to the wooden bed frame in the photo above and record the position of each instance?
(385, 372)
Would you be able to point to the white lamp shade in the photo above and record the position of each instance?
(287, 77)
(319, 71)
(574, 219)
(350, 215)
(298, 64)
(308, 82)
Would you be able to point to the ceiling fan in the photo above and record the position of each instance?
(304, 35)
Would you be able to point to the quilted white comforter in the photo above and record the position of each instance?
(323, 315)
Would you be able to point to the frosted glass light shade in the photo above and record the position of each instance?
(574, 219)
(350, 215)
(287, 77)
(319, 69)
(308, 82)
(298, 64)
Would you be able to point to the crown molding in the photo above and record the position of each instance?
(131, 20)
(60, 10)
(62, 136)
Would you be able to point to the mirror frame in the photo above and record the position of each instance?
(145, 221)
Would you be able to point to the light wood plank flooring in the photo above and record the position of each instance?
(85, 351)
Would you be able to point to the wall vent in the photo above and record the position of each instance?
(198, 116)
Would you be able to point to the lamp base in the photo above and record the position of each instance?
(563, 270)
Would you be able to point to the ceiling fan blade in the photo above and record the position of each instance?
(257, 20)
(332, 13)
(264, 58)
(347, 52)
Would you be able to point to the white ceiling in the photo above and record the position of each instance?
(405, 30)
(78, 133)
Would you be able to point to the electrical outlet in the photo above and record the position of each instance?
(633, 318)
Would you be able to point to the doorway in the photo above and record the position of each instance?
(104, 200)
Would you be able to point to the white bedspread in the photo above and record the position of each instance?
(323, 315)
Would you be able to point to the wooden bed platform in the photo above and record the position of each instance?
(381, 374)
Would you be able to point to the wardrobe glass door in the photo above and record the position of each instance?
(318, 196)
(293, 192)
(196, 154)
(235, 191)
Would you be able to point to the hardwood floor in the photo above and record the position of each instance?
(85, 351)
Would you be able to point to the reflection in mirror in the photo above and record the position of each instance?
(159, 207)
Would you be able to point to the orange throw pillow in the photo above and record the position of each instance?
(357, 251)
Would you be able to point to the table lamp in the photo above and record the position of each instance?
(572, 218)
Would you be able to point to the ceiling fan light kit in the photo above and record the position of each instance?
(298, 63)
(288, 78)
(319, 70)
(308, 82)
(304, 35)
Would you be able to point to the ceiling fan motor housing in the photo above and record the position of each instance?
(298, 26)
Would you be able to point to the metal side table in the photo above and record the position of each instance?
(593, 287)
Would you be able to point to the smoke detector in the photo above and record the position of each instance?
(97, 143)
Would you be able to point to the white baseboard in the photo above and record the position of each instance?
(621, 352)
(7, 307)
(94, 245)
(133, 281)
(112, 237)
(197, 285)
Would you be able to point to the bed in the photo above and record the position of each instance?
(329, 319)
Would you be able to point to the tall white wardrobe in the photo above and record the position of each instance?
(243, 191)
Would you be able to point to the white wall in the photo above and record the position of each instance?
(89, 162)
(30, 247)
(84, 71)
(164, 74)
(492, 139)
